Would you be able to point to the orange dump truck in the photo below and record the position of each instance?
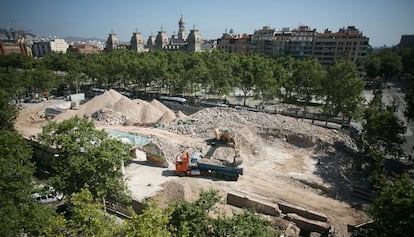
(195, 166)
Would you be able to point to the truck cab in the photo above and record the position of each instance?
(181, 164)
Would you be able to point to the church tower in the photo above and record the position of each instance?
(161, 41)
(112, 42)
(194, 41)
(137, 42)
(181, 29)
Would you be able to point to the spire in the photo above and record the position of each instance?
(181, 22)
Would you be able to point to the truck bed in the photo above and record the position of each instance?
(220, 169)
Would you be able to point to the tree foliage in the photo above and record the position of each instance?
(153, 221)
(342, 89)
(7, 112)
(308, 75)
(194, 219)
(85, 155)
(385, 63)
(407, 60)
(382, 129)
(19, 213)
(394, 207)
(85, 217)
(409, 98)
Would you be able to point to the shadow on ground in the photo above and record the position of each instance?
(340, 168)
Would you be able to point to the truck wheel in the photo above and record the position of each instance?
(183, 173)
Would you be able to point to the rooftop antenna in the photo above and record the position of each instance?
(161, 27)
(193, 27)
(136, 29)
(112, 31)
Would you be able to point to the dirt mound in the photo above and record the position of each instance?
(106, 100)
(150, 115)
(123, 109)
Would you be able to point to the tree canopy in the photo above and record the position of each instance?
(385, 63)
(342, 89)
(394, 207)
(85, 155)
(19, 213)
(382, 129)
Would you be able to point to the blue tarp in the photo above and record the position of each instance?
(134, 139)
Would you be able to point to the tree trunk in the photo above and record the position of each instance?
(244, 98)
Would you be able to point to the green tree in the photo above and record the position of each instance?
(244, 74)
(8, 114)
(85, 155)
(308, 75)
(193, 217)
(265, 83)
(222, 73)
(153, 221)
(407, 60)
(19, 213)
(409, 98)
(285, 79)
(394, 207)
(342, 89)
(373, 65)
(86, 217)
(246, 223)
(383, 130)
(391, 64)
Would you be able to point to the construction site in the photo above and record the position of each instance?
(299, 175)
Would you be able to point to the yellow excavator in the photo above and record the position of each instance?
(226, 137)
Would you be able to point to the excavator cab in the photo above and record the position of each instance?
(224, 136)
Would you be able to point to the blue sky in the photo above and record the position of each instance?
(383, 21)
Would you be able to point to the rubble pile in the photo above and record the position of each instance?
(270, 127)
(107, 116)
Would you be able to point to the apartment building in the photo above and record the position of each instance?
(299, 45)
(262, 41)
(239, 43)
(346, 44)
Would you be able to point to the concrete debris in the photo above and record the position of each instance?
(312, 215)
(292, 231)
(271, 127)
(242, 201)
(308, 225)
(107, 116)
